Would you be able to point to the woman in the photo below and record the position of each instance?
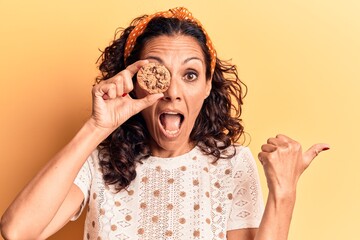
(163, 166)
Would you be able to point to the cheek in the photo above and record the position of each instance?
(194, 110)
(196, 100)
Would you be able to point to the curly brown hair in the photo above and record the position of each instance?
(217, 126)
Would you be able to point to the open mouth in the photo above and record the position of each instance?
(171, 122)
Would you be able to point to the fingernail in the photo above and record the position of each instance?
(124, 94)
(325, 148)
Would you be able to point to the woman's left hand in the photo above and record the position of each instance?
(284, 162)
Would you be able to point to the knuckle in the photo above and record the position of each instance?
(296, 146)
(112, 86)
(95, 89)
(126, 73)
(286, 144)
(274, 148)
(117, 79)
(271, 158)
(261, 156)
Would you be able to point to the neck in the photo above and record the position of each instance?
(176, 150)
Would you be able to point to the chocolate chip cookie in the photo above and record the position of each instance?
(154, 78)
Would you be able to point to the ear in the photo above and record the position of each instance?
(208, 88)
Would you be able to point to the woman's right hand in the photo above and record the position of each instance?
(112, 105)
(111, 108)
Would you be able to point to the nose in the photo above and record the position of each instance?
(173, 93)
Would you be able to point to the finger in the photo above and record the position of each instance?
(123, 86)
(132, 69)
(268, 148)
(128, 74)
(274, 141)
(110, 92)
(260, 159)
(115, 85)
(313, 151)
(283, 137)
(280, 140)
(262, 156)
(128, 86)
(123, 80)
(105, 90)
(147, 101)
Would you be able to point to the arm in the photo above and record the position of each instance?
(242, 234)
(274, 225)
(46, 192)
(283, 163)
(51, 199)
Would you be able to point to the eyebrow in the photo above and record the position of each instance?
(185, 61)
(155, 58)
(193, 58)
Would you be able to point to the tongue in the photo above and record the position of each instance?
(171, 122)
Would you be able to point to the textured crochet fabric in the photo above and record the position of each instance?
(185, 197)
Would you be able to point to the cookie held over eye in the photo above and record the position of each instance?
(154, 78)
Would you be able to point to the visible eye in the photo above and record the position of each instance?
(191, 76)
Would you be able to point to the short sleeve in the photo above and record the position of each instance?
(83, 181)
(247, 206)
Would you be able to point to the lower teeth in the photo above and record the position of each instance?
(172, 132)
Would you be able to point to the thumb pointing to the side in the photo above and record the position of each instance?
(313, 151)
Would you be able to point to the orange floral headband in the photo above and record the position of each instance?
(179, 13)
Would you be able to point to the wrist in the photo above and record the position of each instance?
(283, 197)
(97, 130)
(277, 216)
(283, 191)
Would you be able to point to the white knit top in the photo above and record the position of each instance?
(184, 197)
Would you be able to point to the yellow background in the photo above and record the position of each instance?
(300, 60)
